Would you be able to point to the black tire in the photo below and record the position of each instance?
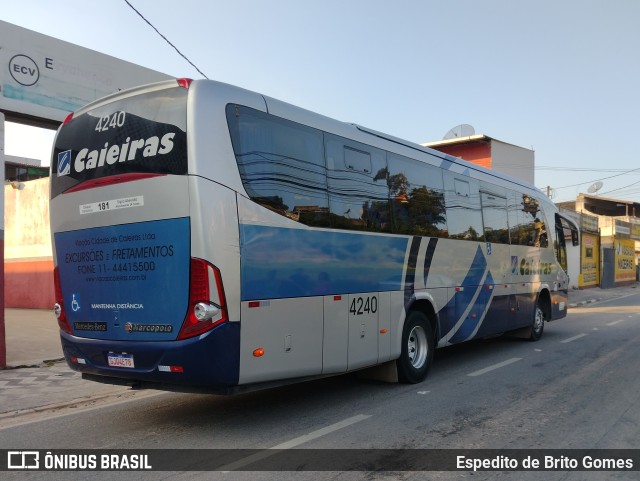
(417, 348)
(537, 326)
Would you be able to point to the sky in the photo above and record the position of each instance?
(559, 77)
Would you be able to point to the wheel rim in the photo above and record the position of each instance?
(417, 347)
(538, 321)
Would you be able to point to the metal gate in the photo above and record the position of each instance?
(608, 269)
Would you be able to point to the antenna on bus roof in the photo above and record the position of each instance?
(595, 187)
(462, 130)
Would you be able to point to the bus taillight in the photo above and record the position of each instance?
(58, 309)
(207, 305)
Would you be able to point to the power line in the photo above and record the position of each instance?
(622, 188)
(576, 169)
(596, 180)
(166, 39)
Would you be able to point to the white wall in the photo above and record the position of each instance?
(47, 78)
(513, 160)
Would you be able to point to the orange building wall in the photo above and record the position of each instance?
(29, 284)
(28, 257)
(478, 153)
(3, 342)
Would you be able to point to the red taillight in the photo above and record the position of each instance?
(68, 119)
(206, 299)
(199, 281)
(184, 82)
(63, 322)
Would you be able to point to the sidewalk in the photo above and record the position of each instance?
(32, 337)
(38, 379)
(578, 298)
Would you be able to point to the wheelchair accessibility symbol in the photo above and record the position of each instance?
(75, 305)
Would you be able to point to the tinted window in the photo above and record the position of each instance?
(464, 219)
(494, 218)
(559, 243)
(417, 197)
(141, 134)
(281, 164)
(527, 222)
(533, 228)
(357, 183)
(515, 218)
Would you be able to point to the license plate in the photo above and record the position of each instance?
(120, 360)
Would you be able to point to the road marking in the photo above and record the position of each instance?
(424, 392)
(294, 442)
(615, 322)
(572, 338)
(495, 366)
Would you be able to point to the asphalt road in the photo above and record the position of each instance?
(577, 388)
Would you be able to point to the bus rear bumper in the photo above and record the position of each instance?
(210, 361)
(559, 304)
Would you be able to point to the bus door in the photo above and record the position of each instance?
(566, 230)
(525, 256)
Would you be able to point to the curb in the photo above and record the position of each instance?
(61, 405)
(10, 418)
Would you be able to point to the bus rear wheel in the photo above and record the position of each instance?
(417, 348)
(537, 327)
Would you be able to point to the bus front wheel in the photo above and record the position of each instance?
(537, 327)
(417, 348)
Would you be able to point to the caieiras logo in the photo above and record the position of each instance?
(91, 159)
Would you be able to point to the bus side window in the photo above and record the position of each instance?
(281, 164)
(560, 244)
(494, 218)
(531, 227)
(357, 185)
(515, 220)
(565, 231)
(464, 217)
(417, 197)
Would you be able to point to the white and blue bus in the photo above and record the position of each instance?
(210, 238)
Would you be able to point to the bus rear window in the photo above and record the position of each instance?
(141, 134)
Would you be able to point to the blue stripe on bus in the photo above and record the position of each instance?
(428, 257)
(278, 262)
(473, 277)
(476, 315)
(459, 303)
(410, 276)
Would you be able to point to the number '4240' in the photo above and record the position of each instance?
(363, 305)
(112, 121)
